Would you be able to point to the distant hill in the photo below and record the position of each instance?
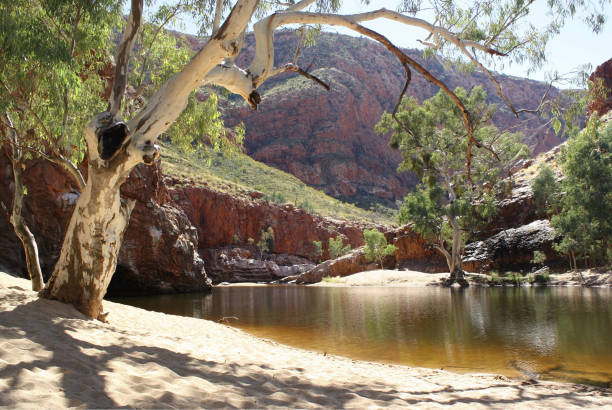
(326, 139)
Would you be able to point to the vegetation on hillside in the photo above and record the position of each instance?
(239, 174)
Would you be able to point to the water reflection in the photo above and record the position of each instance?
(560, 333)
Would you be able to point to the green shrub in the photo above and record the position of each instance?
(318, 250)
(336, 249)
(376, 247)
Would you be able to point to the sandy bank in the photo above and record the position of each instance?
(385, 277)
(409, 278)
(53, 357)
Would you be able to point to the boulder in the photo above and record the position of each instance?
(353, 262)
(512, 249)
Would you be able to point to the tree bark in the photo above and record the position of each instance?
(88, 258)
(22, 230)
(89, 252)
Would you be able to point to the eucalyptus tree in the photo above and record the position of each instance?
(448, 205)
(50, 81)
(480, 30)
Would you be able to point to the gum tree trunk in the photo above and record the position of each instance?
(19, 224)
(88, 258)
(89, 252)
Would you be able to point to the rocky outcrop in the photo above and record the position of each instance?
(353, 262)
(238, 264)
(327, 139)
(225, 220)
(414, 253)
(159, 253)
(512, 249)
(603, 103)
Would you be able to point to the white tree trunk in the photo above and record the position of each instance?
(88, 258)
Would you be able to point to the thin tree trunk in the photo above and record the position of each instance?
(19, 224)
(23, 232)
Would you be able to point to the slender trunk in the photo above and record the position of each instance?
(19, 224)
(455, 269)
(23, 232)
(89, 252)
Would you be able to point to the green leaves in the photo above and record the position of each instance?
(376, 247)
(583, 221)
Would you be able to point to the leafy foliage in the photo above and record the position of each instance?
(545, 191)
(53, 53)
(584, 222)
(376, 246)
(431, 138)
(318, 250)
(336, 249)
(266, 241)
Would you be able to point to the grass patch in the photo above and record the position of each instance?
(332, 279)
(240, 174)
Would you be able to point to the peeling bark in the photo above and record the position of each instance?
(88, 258)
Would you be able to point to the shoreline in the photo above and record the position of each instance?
(410, 278)
(52, 356)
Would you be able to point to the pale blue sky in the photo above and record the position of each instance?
(576, 46)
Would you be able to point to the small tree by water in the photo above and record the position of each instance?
(376, 246)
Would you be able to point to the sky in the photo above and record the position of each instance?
(576, 46)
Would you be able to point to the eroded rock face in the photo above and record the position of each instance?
(224, 220)
(603, 73)
(159, 253)
(238, 264)
(327, 139)
(512, 249)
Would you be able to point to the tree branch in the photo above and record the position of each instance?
(122, 59)
(217, 19)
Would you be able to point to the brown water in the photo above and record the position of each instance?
(553, 333)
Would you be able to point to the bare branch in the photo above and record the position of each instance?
(122, 59)
(217, 19)
(292, 67)
(540, 105)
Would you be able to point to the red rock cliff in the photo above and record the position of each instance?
(603, 73)
(327, 139)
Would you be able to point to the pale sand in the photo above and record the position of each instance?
(53, 357)
(410, 278)
(386, 277)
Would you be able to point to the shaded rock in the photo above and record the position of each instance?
(414, 253)
(244, 265)
(512, 249)
(159, 253)
(603, 103)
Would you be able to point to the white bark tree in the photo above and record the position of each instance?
(89, 252)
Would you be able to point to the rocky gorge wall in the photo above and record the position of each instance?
(327, 138)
